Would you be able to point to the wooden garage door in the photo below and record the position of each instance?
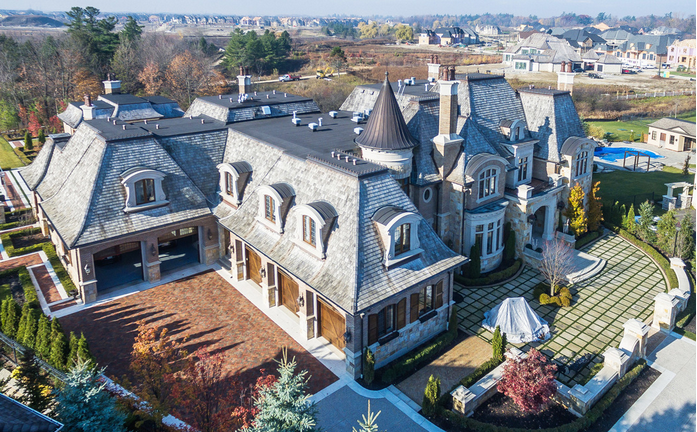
(332, 325)
(288, 292)
(253, 265)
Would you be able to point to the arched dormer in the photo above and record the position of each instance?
(274, 202)
(513, 130)
(315, 223)
(399, 231)
(143, 189)
(578, 156)
(487, 174)
(233, 180)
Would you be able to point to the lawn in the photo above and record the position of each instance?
(684, 74)
(621, 130)
(8, 158)
(627, 187)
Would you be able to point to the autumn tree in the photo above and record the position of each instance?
(556, 263)
(404, 33)
(529, 382)
(578, 222)
(245, 412)
(86, 83)
(595, 208)
(368, 31)
(151, 78)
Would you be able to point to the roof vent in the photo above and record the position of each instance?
(357, 130)
(333, 114)
(238, 99)
(313, 126)
(431, 80)
(347, 158)
(108, 119)
(399, 83)
(267, 96)
(124, 127)
(114, 122)
(145, 121)
(357, 117)
(368, 112)
(354, 161)
(274, 92)
(319, 121)
(266, 110)
(157, 126)
(191, 117)
(296, 121)
(255, 93)
(203, 121)
(285, 94)
(220, 96)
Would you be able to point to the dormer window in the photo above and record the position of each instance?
(143, 189)
(315, 223)
(402, 241)
(582, 164)
(233, 180)
(488, 180)
(275, 201)
(399, 232)
(269, 208)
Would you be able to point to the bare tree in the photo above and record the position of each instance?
(556, 264)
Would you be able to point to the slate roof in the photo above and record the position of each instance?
(667, 123)
(16, 417)
(551, 47)
(123, 107)
(609, 59)
(229, 109)
(34, 173)
(591, 55)
(386, 129)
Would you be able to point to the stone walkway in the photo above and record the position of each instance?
(602, 304)
(451, 367)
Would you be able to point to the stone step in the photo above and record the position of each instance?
(404, 398)
(595, 266)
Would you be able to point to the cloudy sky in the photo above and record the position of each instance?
(541, 8)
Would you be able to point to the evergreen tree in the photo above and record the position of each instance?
(32, 324)
(475, 269)
(645, 222)
(83, 350)
(369, 367)
(28, 141)
(686, 166)
(3, 312)
(131, 30)
(509, 245)
(504, 341)
(11, 321)
(629, 224)
(686, 239)
(42, 137)
(59, 346)
(496, 344)
(595, 208)
(33, 382)
(23, 322)
(72, 350)
(84, 405)
(431, 396)
(368, 424)
(284, 406)
(578, 222)
(43, 338)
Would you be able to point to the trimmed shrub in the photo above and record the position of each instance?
(497, 344)
(479, 373)
(369, 367)
(491, 278)
(28, 141)
(41, 137)
(509, 245)
(72, 350)
(431, 396)
(59, 346)
(545, 299)
(57, 265)
(475, 261)
(564, 293)
(12, 251)
(565, 301)
(587, 238)
(43, 338)
(11, 317)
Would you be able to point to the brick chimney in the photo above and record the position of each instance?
(87, 108)
(112, 85)
(434, 68)
(244, 81)
(446, 144)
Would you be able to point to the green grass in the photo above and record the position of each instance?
(5, 292)
(621, 130)
(621, 186)
(684, 74)
(8, 158)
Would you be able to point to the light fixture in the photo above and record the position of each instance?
(301, 301)
(262, 272)
(210, 234)
(88, 269)
(153, 250)
(347, 336)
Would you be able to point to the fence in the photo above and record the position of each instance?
(655, 94)
(14, 346)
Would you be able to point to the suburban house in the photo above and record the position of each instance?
(581, 40)
(607, 63)
(636, 50)
(682, 53)
(353, 222)
(541, 52)
(672, 134)
(449, 36)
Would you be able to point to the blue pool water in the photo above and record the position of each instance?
(612, 154)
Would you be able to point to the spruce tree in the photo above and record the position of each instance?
(32, 324)
(83, 350)
(368, 424)
(41, 138)
(645, 222)
(33, 382)
(28, 142)
(11, 321)
(475, 261)
(72, 350)
(284, 406)
(84, 405)
(431, 396)
(59, 347)
(43, 338)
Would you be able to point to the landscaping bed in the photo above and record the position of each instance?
(11, 286)
(500, 410)
(31, 240)
(27, 240)
(495, 277)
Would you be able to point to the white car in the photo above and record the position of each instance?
(650, 67)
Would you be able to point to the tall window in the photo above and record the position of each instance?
(499, 230)
(487, 182)
(426, 299)
(522, 169)
(309, 230)
(228, 184)
(269, 208)
(429, 298)
(386, 321)
(479, 235)
(653, 135)
(145, 191)
(402, 239)
(490, 238)
(582, 164)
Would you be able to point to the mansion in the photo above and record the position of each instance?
(353, 221)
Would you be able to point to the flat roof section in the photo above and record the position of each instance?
(229, 101)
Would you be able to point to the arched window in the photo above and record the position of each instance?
(399, 230)
(487, 182)
(274, 203)
(144, 189)
(233, 180)
(315, 223)
(402, 239)
(582, 163)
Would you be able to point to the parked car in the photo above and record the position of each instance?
(579, 70)
(289, 77)
(594, 76)
(650, 67)
(628, 71)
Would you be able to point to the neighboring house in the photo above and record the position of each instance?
(581, 40)
(541, 52)
(589, 59)
(15, 416)
(488, 30)
(354, 222)
(608, 63)
(525, 34)
(636, 50)
(682, 53)
(672, 134)
(449, 36)
(663, 30)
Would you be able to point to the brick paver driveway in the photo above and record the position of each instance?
(210, 312)
(623, 290)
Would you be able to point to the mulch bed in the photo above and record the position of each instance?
(625, 400)
(12, 280)
(28, 240)
(17, 217)
(690, 326)
(500, 410)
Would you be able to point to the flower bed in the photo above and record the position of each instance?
(587, 238)
(500, 410)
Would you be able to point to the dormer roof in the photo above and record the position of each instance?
(386, 128)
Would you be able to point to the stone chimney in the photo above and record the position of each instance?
(87, 108)
(244, 81)
(112, 85)
(446, 144)
(434, 68)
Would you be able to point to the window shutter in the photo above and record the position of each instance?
(372, 329)
(414, 308)
(439, 295)
(401, 313)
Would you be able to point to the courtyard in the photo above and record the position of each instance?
(209, 312)
(625, 289)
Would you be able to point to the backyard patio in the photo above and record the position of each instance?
(601, 305)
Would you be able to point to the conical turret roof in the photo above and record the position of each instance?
(386, 129)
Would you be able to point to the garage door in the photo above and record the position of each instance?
(253, 261)
(178, 248)
(118, 265)
(288, 292)
(332, 325)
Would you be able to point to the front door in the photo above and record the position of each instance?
(288, 292)
(253, 264)
(332, 325)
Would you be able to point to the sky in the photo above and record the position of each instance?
(541, 8)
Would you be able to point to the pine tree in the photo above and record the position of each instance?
(284, 406)
(595, 209)
(43, 338)
(686, 166)
(475, 261)
(28, 142)
(33, 383)
(11, 321)
(32, 324)
(496, 344)
(578, 222)
(41, 138)
(84, 405)
(369, 367)
(629, 224)
(431, 396)
(83, 350)
(368, 424)
(72, 350)
(59, 346)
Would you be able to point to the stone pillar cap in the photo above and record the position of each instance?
(615, 353)
(461, 392)
(636, 326)
(664, 297)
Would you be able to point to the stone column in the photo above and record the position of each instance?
(617, 360)
(86, 283)
(151, 258)
(665, 311)
(638, 329)
(210, 243)
(354, 345)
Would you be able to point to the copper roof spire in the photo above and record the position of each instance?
(386, 129)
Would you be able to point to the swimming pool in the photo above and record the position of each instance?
(613, 154)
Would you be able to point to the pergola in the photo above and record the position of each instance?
(637, 154)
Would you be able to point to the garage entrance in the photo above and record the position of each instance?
(253, 265)
(332, 325)
(288, 292)
(118, 265)
(178, 248)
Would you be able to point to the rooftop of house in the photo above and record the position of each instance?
(231, 108)
(668, 123)
(15, 416)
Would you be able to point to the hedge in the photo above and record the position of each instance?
(20, 154)
(480, 372)
(58, 268)
(27, 285)
(584, 422)
(11, 250)
(491, 278)
(651, 251)
(420, 356)
(587, 239)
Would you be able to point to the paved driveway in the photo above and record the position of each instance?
(210, 312)
(602, 304)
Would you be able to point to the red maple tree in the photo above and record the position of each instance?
(529, 382)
